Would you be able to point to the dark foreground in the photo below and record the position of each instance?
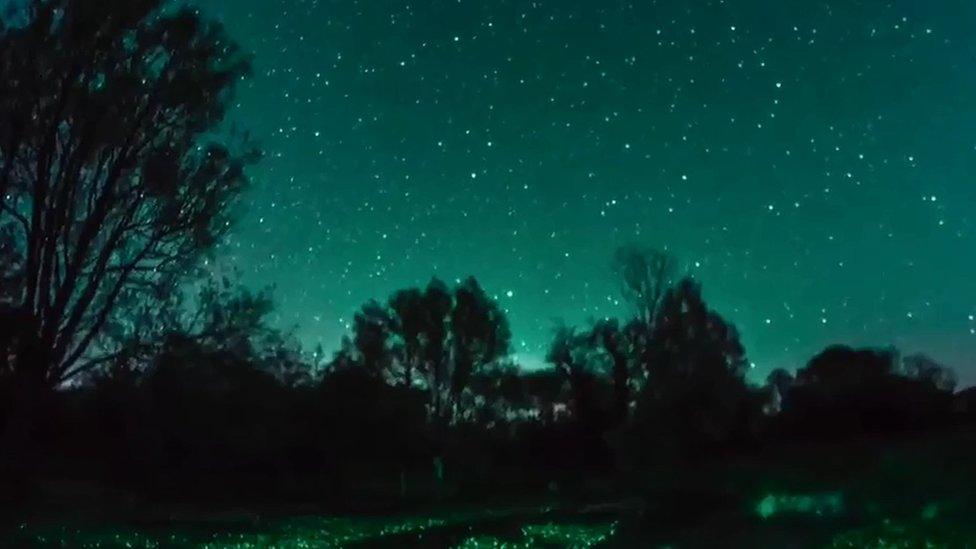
(910, 491)
(778, 520)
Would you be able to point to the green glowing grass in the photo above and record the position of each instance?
(293, 533)
(923, 533)
(575, 536)
(314, 532)
(831, 503)
(491, 542)
(569, 535)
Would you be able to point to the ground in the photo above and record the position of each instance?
(815, 520)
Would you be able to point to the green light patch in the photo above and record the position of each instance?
(824, 504)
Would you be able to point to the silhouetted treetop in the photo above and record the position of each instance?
(645, 275)
(112, 177)
(928, 370)
(689, 339)
(568, 351)
(695, 391)
(781, 381)
(479, 330)
(221, 317)
(372, 327)
(436, 338)
(843, 390)
(841, 365)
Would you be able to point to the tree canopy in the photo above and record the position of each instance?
(436, 338)
(113, 177)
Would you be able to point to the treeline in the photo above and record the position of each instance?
(423, 402)
(122, 360)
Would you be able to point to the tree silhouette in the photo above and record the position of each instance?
(479, 333)
(371, 338)
(502, 387)
(221, 317)
(779, 383)
(211, 407)
(929, 371)
(645, 275)
(109, 174)
(618, 344)
(582, 367)
(843, 390)
(568, 352)
(780, 379)
(420, 322)
(840, 366)
(435, 338)
(696, 368)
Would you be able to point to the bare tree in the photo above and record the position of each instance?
(645, 274)
(110, 173)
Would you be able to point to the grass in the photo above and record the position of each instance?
(496, 530)
(465, 529)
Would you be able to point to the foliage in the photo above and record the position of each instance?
(845, 391)
(112, 183)
(695, 391)
(433, 338)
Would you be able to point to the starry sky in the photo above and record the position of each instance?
(810, 162)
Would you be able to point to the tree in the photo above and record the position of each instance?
(781, 380)
(501, 389)
(420, 322)
(371, 338)
(479, 333)
(843, 390)
(578, 362)
(645, 275)
(691, 340)
(436, 338)
(584, 367)
(618, 344)
(110, 173)
(839, 367)
(929, 371)
(696, 369)
(221, 316)
(369, 420)
(779, 383)
(212, 407)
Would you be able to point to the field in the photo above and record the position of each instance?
(911, 492)
(816, 520)
(521, 528)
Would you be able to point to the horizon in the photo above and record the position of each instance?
(517, 273)
(522, 144)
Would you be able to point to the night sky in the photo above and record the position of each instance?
(810, 162)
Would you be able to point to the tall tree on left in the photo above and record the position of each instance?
(114, 177)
